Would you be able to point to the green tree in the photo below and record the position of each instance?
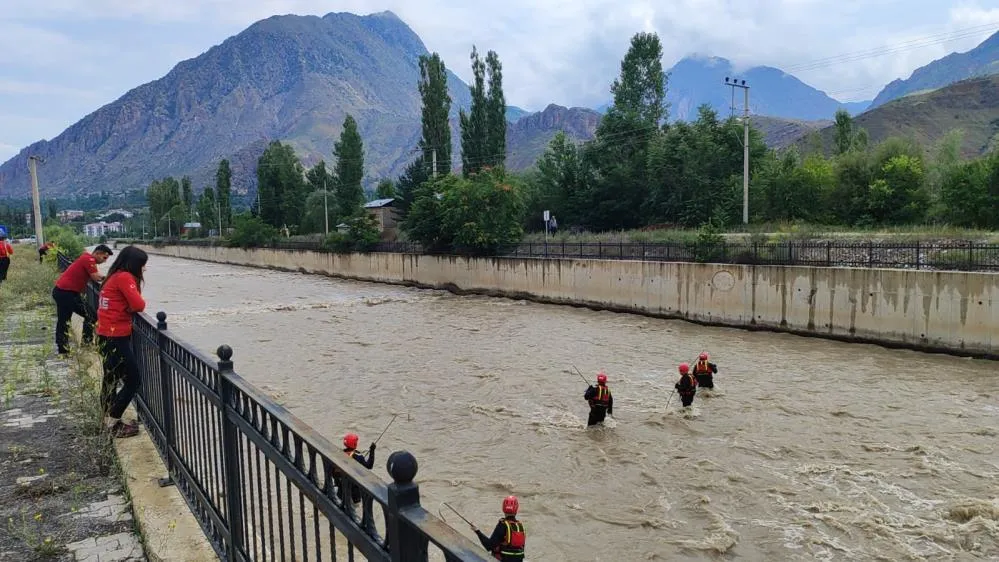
(435, 113)
(385, 189)
(409, 182)
(558, 184)
(208, 211)
(475, 123)
(251, 232)
(495, 112)
(166, 206)
(53, 211)
(187, 195)
(223, 189)
(281, 186)
(640, 91)
(843, 132)
(319, 201)
(477, 214)
(349, 170)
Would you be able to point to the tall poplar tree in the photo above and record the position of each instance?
(495, 112)
(475, 123)
(436, 109)
(349, 170)
(223, 192)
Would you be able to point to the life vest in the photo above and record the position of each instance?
(702, 368)
(513, 540)
(602, 396)
(692, 383)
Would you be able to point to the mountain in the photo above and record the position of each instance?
(530, 135)
(514, 113)
(983, 60)
(698, 80)
(289, 78)
(971, 105)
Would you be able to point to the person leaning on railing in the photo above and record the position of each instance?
(6, 251)
(120, 299)
(67, 295)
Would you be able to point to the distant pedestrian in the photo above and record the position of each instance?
(67, 294)
(120, 299)
(6, 251)
(705, 371)
(600, 400)
(686, 387)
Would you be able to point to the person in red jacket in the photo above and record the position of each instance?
(509, 538)
(120, 299)
(68, 298)
(6, 251)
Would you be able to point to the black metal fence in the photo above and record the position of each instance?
(960, 256)
(263, 484)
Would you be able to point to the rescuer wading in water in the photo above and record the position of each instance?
(508, 538)
(705, 371)
(686, 386)
(600, 399)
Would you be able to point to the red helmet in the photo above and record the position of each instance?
(350, 440)
(511, 505)
(684, 368)
(703, 357)
(601, 377)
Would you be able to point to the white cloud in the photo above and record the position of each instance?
(562, 51)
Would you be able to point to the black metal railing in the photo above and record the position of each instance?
(262, 484)
(955, 255)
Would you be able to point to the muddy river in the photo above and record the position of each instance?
(809, 449)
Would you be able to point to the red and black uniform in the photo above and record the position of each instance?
(601, 403)
(686, 387)
(68, 299)
(120, 299)
(704, 371)
(507, 541)
(6, 251)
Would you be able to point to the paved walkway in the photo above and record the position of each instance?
(61, 497)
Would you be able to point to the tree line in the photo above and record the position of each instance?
(639, 170)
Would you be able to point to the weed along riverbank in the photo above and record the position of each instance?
(941, 311)
(67, 490)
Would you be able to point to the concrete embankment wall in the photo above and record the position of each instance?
(953, 312)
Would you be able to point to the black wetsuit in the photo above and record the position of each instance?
(686, 387)
(600, 405)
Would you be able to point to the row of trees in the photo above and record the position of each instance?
(172, 203)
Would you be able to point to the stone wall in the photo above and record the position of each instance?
(954, 312)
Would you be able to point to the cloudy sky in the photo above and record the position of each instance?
(62, 59)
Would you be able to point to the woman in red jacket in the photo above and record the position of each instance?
(120, 299)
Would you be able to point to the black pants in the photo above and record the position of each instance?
(4, 266)
(705, 381)
(597, 415)
(69, 303)
(119, 365)
(687, 397)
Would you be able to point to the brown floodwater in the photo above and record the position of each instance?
(809, 449)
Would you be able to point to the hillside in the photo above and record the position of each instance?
(291, 78)
(971, 105)
(530, 135)
(983, 60)
(781, 133)
(698, 80)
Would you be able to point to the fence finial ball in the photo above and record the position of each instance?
(161, 316)
(402, 467)
(224, 352)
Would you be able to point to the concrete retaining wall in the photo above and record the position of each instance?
(952, 312)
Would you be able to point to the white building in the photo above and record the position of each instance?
(98, 229)
(69, 215)
(122, 212)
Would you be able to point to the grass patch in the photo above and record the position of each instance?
(28, 286)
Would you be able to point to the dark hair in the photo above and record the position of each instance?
(130, 259)
(103, 248)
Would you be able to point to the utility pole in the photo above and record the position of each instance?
(745, 144)
(434, 157)
(36, 199)
(326, 208)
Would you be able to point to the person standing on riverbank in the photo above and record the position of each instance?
(704, 372)
(509, 538)
(120, 299)
(6, 251)
(600, 400)
(686, 387)
(350, 442)
(67, 295)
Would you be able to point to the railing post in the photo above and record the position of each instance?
(166, 394)
(405, 543)
(230, 457)
(917, 255)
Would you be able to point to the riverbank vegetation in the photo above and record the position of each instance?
(643, 178)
